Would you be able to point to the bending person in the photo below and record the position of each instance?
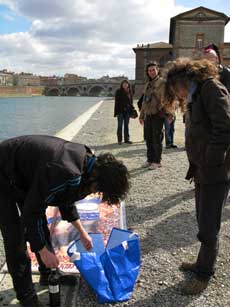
(40, 171)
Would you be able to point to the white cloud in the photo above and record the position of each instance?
(90, 38)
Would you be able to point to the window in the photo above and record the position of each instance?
(199, 41)
(200, 15)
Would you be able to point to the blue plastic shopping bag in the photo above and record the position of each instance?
(112, 271)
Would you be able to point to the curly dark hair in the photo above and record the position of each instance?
(111, 177)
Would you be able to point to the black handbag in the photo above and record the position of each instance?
(133, 113)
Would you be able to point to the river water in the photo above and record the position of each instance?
(40, 115)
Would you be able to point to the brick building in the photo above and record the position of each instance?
(49, 80)
(189, 33)
(72, 79)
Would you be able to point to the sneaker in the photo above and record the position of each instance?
(153, 166)
(173, 146)
(146, 164)
(188, 267)
(32, 302)
(129, 142)
(194, 286)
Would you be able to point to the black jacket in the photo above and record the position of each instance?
(122, 102)
(208, 133)
(225, 76)
(43, 170)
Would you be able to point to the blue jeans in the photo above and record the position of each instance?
(123, 118)
(169, 132)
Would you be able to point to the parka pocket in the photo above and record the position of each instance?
(215, 154)
(197, 115)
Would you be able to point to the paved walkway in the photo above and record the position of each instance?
(160, 208)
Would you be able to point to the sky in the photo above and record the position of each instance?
(91, 38)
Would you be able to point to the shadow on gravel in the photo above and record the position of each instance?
(177, 231)
(67, 297)
(174, 232)
(166, 297)
(7, 296)
(172, 150)
(116, 146)
(132, 153)
(148, 213)
(137, 171)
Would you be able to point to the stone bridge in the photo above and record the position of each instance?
(86, 88)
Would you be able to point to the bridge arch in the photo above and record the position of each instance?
(97, 90)
(73, 91)
(53, 91)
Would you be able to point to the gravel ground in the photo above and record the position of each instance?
(160, 209)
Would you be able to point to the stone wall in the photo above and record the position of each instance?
(185, 42)
(21, 91)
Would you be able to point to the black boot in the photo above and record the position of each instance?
(188, 267)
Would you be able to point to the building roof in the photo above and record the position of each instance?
(191, 14)
(157, 45)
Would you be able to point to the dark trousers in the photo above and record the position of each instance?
(153, 131)
(14, 238)
(210, 199)
(169, 132)
(123, 118)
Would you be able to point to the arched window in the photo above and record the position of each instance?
(199, 43)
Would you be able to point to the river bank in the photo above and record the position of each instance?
(21, 91)
(160, 209)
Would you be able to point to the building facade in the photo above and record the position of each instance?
(26, 79)
(189, 33)
(6, 78)
(160, 52)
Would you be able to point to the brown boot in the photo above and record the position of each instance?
(188, 267)
(194, 286)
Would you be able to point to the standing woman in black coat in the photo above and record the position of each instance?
(122, 108)
(207, 141)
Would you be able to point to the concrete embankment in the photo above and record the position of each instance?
(160, 208)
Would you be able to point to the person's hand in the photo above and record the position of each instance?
(84, 237)
(141, 121)
(170, 119)
(86, 240)
(48, 258)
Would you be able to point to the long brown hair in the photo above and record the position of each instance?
(129, 93)
(181, 72)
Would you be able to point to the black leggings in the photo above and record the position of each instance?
(14, 238)
(210, 200)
